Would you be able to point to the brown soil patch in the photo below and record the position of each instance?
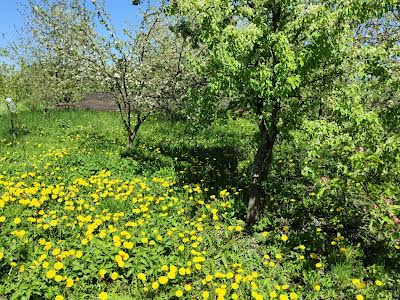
(98, 101)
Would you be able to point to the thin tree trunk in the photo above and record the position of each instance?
(261, 166)
(12, 125)
(263, 159)
(132, 133)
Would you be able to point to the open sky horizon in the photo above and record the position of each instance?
(11, 20)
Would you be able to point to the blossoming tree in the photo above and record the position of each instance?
(145, 69)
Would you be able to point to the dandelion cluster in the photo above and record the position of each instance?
(69, 235)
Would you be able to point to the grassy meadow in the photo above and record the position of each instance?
(81, 217)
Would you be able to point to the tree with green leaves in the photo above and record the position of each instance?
(273, 58)
(375, 58)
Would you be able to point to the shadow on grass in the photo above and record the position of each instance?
(215, 167)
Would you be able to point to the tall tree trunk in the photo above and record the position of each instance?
(261, 166)
(263, 159)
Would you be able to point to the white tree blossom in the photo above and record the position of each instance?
(146, 69)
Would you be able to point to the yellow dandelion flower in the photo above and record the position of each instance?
(56, 251)
(163, 279)
(182, 271)
(179, 293)
(141, 276)
(165, 268)
(69, 282)
(293, 296)
(51, 274)
(58, 265)
(114, 275)
(171, 275)
(187, 287)
(102, 273)
(378, 282)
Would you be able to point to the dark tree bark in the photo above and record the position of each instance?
(268, 135)
(132, 132)
(262, 165)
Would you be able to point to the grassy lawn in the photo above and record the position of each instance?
(81, 217)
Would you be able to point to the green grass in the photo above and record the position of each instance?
(63, 146)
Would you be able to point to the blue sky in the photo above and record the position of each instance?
(122, 12)
(9, 18)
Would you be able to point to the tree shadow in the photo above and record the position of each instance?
(214, 167)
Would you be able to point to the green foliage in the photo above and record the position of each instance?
(333, 193)
(280, 60)
(321, 81)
